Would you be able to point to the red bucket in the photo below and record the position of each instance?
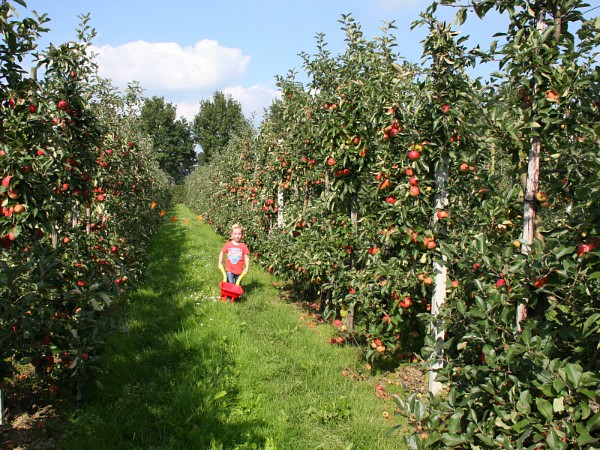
(230, 290)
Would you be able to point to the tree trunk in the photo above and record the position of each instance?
(529, 213)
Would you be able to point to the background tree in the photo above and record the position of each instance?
(217, 121)
(171, 137)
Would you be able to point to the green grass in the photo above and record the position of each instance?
(195, 373)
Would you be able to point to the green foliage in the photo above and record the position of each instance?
(332, 201)
(171, 138)
(217, 122)
(177, 193)
(77, 189)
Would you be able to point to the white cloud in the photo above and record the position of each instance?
(187, 109)
(166, 66)
(253, 99)
(184, 76)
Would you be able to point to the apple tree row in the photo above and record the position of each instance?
(79, 197)
(384, 191)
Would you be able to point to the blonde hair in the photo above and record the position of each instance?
(237, 226)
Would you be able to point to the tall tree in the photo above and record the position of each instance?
(171, 137)
(218, 120)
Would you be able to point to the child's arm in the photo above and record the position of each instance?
(220, 265)
(246, 263)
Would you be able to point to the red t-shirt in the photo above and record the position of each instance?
(235, 256)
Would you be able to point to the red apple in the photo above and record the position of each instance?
(413, 154)
(6, 181)
(62, 104)
(442, 214)
(551, 95)
(405, 303)
(540, 282)
(445, 108)
(13, 193)
(414, 191)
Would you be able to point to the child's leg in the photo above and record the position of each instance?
(232, 278)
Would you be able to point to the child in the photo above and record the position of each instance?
(237, 255)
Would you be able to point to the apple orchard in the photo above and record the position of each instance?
(428, 213)
(434, 218)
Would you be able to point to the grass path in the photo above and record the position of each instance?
(195, 373)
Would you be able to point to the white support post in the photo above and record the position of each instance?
(440, 278)
(279, 207)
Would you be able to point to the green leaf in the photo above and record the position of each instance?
(461, 16)
(554, 440)
(558, 405)
(545, 408)
(565, 251)
(585, 439)
(413, 442)
(95, 305)
(452, 439)
(454, 422)
(105, 297)
(524, 403)
(574, 374)
(435, 437)
(420, 411)
(558, 385)
(594, 423)
(485, 439)
(218, 395)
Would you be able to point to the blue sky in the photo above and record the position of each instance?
(185, 50)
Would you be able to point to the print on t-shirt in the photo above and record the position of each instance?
(234, 255)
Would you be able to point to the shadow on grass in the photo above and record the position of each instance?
(169, 383)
